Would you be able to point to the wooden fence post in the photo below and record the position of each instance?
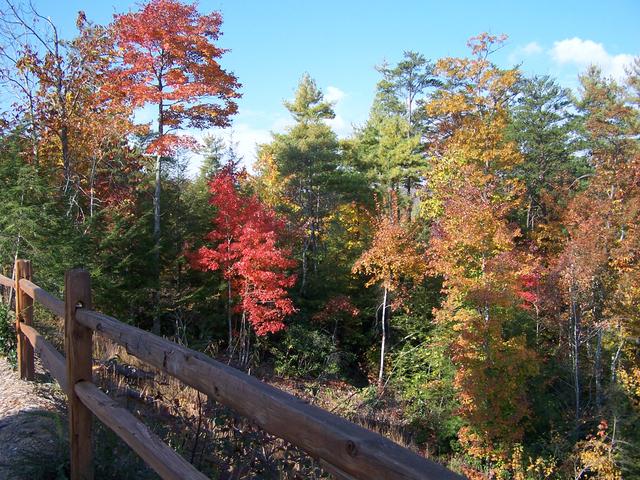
(24, 314)
(78, 346)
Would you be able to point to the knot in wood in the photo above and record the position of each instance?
(352, 449)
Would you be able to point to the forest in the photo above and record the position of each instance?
(469, 257)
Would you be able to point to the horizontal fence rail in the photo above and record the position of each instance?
(344, 448)
(157, 454)
(6, 282)
(44, 298)
(51, 359)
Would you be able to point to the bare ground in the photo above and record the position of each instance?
(29, 418)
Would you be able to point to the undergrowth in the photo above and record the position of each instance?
(7, 336)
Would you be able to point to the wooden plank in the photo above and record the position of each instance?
(6, 282)
(52, 360)
(335, 471)
(352, 449)
(78, 349)
(158, 455)
(24, 314)
(53, 304)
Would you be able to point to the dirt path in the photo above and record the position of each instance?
(30, 421)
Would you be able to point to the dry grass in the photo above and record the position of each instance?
(211, 436)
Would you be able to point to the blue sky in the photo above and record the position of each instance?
(339, 42)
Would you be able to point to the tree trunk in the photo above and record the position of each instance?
(34, 132)
(597, 367)
(303, 280)
(229, 324)
(156, 225)
(598, 302)
(156, 245)
(66, 160)
(384, 336)
(614, 362)
(575, 327)
(92, 181)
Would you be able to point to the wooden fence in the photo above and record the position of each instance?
(346, 450)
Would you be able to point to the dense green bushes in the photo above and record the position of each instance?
(304, 352)
(7, 335)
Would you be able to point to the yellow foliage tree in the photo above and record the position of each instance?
(469, 197)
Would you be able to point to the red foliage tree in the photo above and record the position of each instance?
(168, 58)
(337, 309)
(245, 249)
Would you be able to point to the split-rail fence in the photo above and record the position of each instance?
(345, 449)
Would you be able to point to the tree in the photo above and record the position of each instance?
(542, 125)
(309, 106)
(391, 157)
(304, 167)
(393, 258)
(470, 196)
(169, 59)
(60, 84)
(244, 247)
(213, 153)
(401, 86)
(389, 145)
(33, 223)
(598, 265)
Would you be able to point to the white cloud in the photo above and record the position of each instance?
(247, 139)
(583, 53)
(340, 126)
(281, 124)
(520, 53)
(244, 137)
(334, 94)
(532, 48)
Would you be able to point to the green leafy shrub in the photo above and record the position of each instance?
(305, 352)
(7, 335)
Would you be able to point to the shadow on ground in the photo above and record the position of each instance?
(33, 446)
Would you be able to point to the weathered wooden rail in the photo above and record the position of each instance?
(347, 450)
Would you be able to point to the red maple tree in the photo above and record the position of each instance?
(169, 58)
(244, 247)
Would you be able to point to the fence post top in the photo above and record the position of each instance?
(22, 262)
(77, 275)
(76, 270)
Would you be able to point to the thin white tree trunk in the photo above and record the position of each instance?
(384, 336)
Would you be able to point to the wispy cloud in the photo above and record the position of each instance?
(521, 52)
(532, 48)
(334, 94)
(340, 126)
(247, 136)
(244, 137)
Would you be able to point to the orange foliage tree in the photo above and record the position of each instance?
(75, 129)
(599, 268)
(473, 246)
(393, 258)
